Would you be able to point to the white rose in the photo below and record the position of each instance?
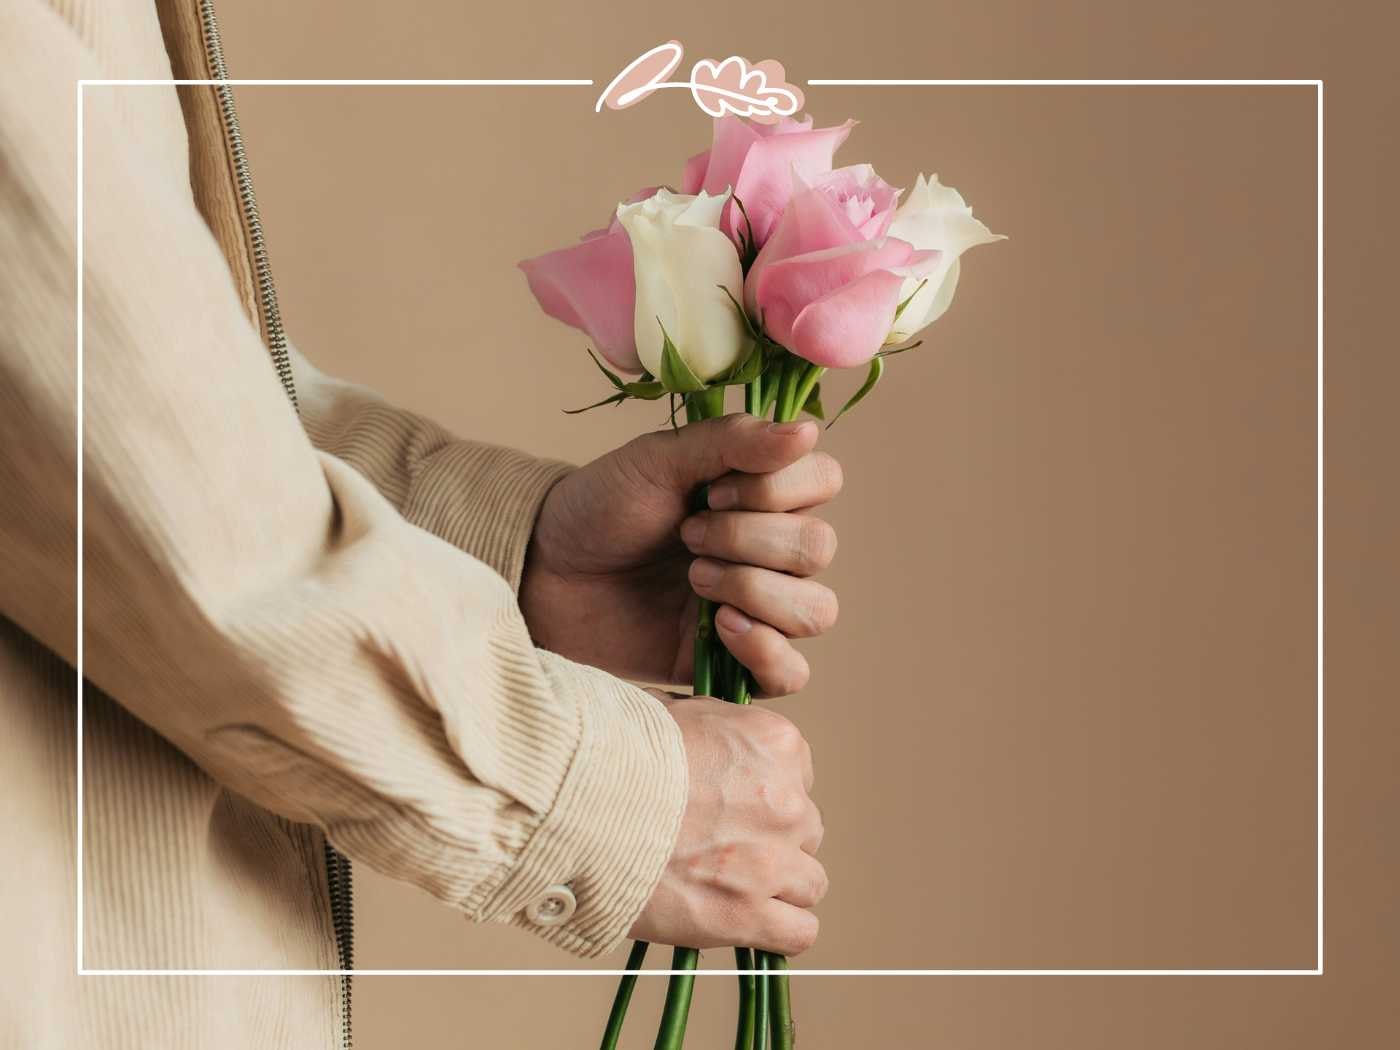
(682, 259)
(934, 217)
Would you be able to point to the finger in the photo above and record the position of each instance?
(812, 840)
(792, 543)
(711, 448)
(804, 881)
(783, 928)
(777, 667)
(812, 480)
(798, 608)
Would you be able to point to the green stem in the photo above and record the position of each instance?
(807, 380)
(635, 958)
(787, 388)
(671, 1035)
(760, 1029)
(743, 1037)
(753, 396)
(780, 1004)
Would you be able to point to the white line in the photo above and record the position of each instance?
(699, 973)
(1064, 83)
(78, 406)
(1317, 971)
(336, 83)
(1320, 515)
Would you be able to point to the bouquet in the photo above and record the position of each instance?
(766, 271)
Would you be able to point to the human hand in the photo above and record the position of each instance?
(610, 577)
(743, 870)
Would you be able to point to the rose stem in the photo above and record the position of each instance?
(809, 377)
(780, 1005)
(743, 1038)
(760, 1024)
(635, 958)
(673, 1016)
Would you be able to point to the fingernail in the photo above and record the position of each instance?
(704, 573)
(693, 531)
(723, 495)
(733, 621)
(790, 428)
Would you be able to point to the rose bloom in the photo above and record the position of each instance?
(934, 217)
(590, 286)
(757, 162)
(684, 266)
(827, 283)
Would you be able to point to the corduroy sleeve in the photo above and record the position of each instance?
(481, 498)
(257, 601)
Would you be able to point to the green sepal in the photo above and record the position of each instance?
(877, 369)
(900, 349)
(613, 378)
(748, 250)
(649, 391)
(676, 375)
(615, 399)
(900, 308)
(745, 370)
(813, 407)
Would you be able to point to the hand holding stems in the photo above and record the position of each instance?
(741, 874)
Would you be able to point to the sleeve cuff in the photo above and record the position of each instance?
(484, 500)
(614, 821)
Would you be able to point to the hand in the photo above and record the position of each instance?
(744, 869)
(610, 579)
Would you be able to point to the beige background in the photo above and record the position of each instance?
(1068, 717)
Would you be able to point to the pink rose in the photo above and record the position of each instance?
(757, 161)
(827, 283)
(591, 286)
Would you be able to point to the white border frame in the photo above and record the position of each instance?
(1315, 971)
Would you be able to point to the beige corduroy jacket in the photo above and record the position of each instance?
(297, 627)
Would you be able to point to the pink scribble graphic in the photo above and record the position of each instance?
(759, 91)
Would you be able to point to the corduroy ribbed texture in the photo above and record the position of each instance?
(278, 639)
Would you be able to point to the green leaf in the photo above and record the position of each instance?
(813, 407)
(877, 369)
(616, 399)
(676, 375)
(900, 308)
(612, 377)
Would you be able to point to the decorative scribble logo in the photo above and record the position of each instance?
(759, 91)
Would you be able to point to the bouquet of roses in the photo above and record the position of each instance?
(768, 269)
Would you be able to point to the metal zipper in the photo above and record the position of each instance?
(262, 269)
(339, 884)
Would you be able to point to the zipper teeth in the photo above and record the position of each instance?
(339, 879)
(262, 268)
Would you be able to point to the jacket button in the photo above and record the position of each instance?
(552, 907)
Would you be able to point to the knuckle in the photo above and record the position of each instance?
(784, 737)
(804, 936)
(822, 610)
(787, 807)
(816, 544)
(792, 679)
(830, 476)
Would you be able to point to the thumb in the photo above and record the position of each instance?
(711, 448)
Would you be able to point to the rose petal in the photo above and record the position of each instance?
(788, 286)
(590, 286)
(694, 175)
(848, 326)
(764, 183)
